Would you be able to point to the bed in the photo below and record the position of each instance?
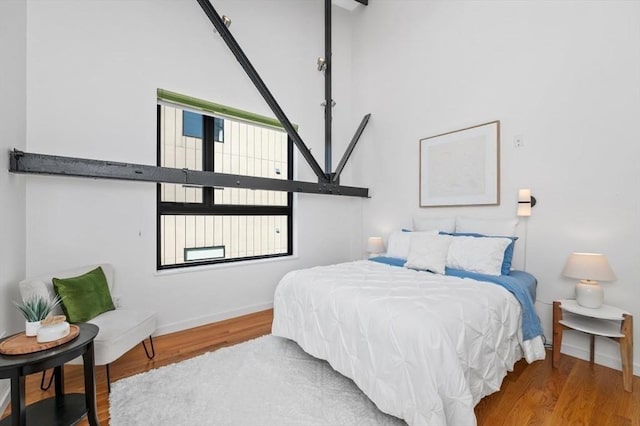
(423, 347)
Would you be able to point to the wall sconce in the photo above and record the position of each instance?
(525, 202)
(589, 268)
(375, 246)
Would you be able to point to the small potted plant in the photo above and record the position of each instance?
(35, 309)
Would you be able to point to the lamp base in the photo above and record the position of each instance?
(589, 294)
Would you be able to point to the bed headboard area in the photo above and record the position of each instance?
(509, 227)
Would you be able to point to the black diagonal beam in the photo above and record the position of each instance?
(25, 162)
(336, 176)
(364, 2)
(235, 48)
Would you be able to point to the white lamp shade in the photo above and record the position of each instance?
(588, 266)
(375, 245)
(524, 202)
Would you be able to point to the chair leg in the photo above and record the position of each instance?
(153, 349)
(108, 379)
(150, 355)
(44, 374)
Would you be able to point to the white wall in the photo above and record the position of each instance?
(564, 75)
(12, 135)
(92, 73)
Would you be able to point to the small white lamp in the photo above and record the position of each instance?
(375, 245)
(589, 268)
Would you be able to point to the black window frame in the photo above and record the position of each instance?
(207, 207)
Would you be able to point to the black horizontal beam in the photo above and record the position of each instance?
(364, 2)
(24, 162)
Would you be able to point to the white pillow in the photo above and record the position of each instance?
(481, 255)
(428, 252)
(399, 242)
(498, 227)
(445, 224)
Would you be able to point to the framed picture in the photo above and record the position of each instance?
(461, 168)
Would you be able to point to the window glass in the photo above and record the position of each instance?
(199, 225)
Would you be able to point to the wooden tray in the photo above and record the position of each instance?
(20, 344)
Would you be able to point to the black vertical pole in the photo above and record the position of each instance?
(327, 88)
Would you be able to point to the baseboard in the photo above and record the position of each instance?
(208, 319)
(5, 395)
(602, 359)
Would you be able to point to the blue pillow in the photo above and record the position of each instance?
(508, 252)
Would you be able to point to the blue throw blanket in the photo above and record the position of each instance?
(519, 283)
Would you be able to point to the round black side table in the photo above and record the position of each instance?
(60, 409)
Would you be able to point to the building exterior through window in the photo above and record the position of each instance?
(198, 225)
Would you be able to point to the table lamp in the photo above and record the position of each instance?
(589, 268)
(375, 245)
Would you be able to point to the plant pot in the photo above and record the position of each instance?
(31, 328)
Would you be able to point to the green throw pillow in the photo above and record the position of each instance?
(84, 297)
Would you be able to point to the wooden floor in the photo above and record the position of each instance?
(577, 393)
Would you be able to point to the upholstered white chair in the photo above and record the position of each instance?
(120, 329)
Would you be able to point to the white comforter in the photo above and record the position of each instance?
(422, 347)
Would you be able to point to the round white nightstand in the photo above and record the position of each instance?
(606, 321)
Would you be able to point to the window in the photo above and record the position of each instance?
(198, 225)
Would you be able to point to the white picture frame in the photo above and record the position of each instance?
(461, 168)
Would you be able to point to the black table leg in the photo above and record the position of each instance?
(18, 408)
(58, 374)
(90, 385)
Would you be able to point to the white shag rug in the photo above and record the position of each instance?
(268, 381)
